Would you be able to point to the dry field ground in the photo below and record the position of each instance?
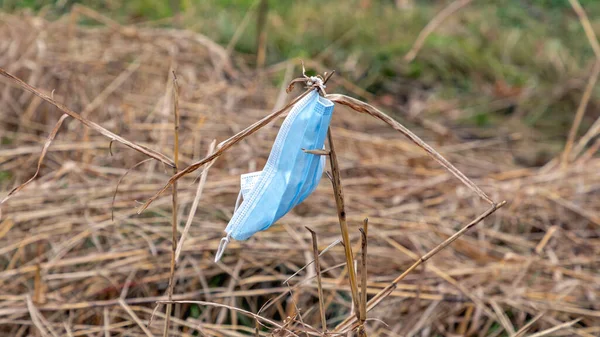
(77, 260)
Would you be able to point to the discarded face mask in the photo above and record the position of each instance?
(290, 174)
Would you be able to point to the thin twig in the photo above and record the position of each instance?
(245, 312)
(318, 272)
(38, 319)
(135, 317)
(432, 25)
(363, 278)
(526, 327)
(462, 327)
(92, 14)
(261, 33)
(556, 328)
(587, 27)
(585, 99)
(112, 204)
(174, 202)
(241, 28)
(592, 132)
(38, 282)
(106, 321)
(331, 245)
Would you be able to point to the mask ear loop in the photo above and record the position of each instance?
(238, 201)
(225, 240)
(317, 82)
(222, 246)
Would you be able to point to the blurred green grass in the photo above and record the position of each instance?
(481, 55)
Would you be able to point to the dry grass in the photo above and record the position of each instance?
(68, 269)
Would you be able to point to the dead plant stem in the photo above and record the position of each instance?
(339, 201)
(318, 272)
(174, 210)
(363, 278)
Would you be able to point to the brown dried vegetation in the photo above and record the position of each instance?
(70, 269)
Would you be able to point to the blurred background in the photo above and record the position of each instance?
(498, 61)
(495, 86)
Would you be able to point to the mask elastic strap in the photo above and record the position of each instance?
(222, 246)
(238, 201)
(225, 240)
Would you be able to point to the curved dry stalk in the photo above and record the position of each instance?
(272, 301)
(94, 126)
(432, 25)
(592, 132)
(587, 27)
(363, 107)
(331, 245)
(556, 328)
(112, 204)
(225, 306)
(42, 325)
(135, 317)
(587, 94)
(261, 35)
(49, 140)
(241, 28)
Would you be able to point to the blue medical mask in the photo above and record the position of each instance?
(290, 174)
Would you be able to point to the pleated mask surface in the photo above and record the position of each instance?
(290, 174)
